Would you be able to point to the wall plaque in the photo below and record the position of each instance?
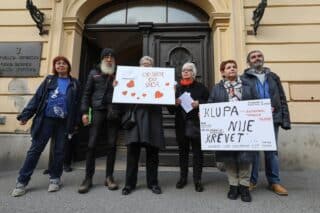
(20, 59)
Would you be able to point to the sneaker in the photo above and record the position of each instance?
(110, 183)
(54, 185)
(278, 189)
(19, 190)
(252, 186)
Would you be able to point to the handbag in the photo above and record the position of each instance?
(129, 119)
(192, 129)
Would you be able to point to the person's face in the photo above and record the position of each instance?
(109, 61)
(256, 60)
(186, 72)
(61, 67)
(146, 63)
(230, 71)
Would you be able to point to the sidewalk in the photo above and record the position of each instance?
(304, 195)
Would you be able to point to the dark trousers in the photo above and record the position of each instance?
(112, 128)
(50, 128)
(152, 162)
(184, 147)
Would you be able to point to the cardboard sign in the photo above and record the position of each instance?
(240, 125)
(144, 85)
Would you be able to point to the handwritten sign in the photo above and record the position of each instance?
(20, 59)
(144, 85)
(241, 125)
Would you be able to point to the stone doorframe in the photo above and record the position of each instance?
(226, 20)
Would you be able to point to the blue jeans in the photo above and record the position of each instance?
(271, 164)
(51, 128)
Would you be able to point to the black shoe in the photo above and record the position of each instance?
(245, 193)
(45, 172)
(233, 192)
(198, 186)
(127, 190)
(181, 183)
(85, 186)
(67, 169)
(155, 189)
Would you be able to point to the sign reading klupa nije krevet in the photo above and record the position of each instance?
(144, 85)
(241, 125)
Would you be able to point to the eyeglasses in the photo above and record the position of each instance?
(187, 70)
(256, 56)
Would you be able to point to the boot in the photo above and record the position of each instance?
(198, 186)
(245, 193)
(181, 183)
(85, 186)
(109, 182)
(233, 192)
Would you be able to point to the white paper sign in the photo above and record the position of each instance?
(241, 125)
(144, 85)
(186, 102)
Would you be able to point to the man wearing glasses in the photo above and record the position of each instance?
(268, 85)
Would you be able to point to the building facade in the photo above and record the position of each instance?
(288, 36)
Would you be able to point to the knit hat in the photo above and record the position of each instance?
(107, 52)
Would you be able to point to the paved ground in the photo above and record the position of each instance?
(304, 195)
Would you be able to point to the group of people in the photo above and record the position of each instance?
(56, 111)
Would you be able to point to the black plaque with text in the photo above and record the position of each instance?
(20, 59)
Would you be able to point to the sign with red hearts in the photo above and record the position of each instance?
(144, 85)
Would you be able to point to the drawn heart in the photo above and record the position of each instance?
(144, 95)
(158, 94)
(130, 83)
(124, 92)
(133, 94)
(167, 84)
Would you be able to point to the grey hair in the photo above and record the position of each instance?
(193, 67)
(251, 52)
(146, 58)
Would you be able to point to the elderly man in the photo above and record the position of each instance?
(98, 94)
(268, 85)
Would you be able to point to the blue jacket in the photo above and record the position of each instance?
(38, 102)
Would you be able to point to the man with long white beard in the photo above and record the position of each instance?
(98, 94)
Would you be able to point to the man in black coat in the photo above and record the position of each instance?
(98, 94)
(268, 85)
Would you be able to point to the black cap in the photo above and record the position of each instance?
(107, 52)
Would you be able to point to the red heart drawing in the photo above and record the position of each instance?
(130, 83)
(167, 84)
(124, 92)
(144, 94)
(158, 94)
(133, 94)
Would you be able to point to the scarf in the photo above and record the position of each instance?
(234, 89)
(186, 82)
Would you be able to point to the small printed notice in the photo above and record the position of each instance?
(186, 102)
(241, 125)
(144, 85)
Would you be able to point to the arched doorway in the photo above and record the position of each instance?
(172, 32)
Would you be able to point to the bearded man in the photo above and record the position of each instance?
(98, 94)
(268, 85)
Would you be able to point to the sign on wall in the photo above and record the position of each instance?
(20, 59)
(241, 125)
(144, 85)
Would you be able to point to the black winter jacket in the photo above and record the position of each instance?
(280, 114)
(219, 94)
(98, 91)
(38, 103)
(199, 93)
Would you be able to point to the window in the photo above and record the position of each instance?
(132, 12)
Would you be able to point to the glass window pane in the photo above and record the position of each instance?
(146, 12)
(115, 17)
(183, 13)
